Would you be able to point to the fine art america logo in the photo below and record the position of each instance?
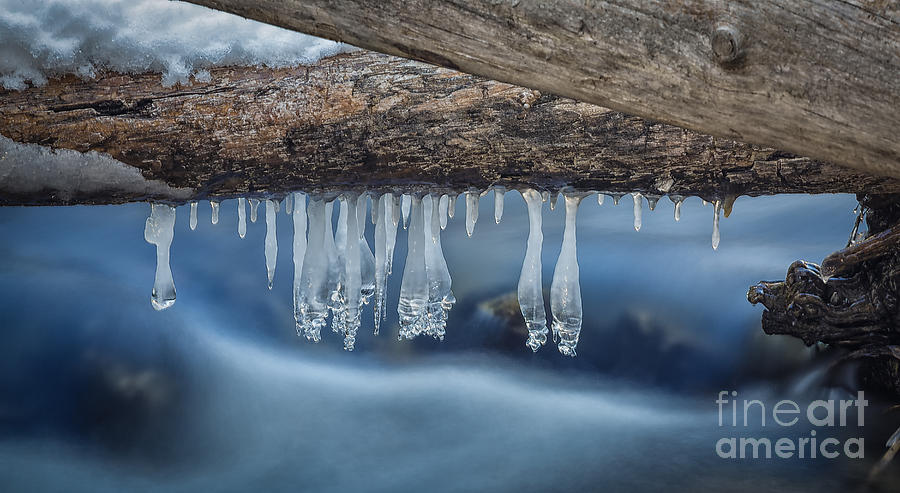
(824, 418)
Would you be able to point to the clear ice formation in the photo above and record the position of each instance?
(159, 230)
(443, 205)
(565, 291)
(298, 252)
(637, 210)
(530, 291)
(242, 217)
(412, 307)
(471, 211)
(193, 221)
(336, 272)
(254, 208)
(717, 209)
(215, 211)
(271, 242)
(405, 204)
(499, 192)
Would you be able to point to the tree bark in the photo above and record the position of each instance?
(817, 78)
(366, 120)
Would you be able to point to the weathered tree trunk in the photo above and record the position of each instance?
(819, 78)
(371, 120)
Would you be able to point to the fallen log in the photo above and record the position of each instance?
(817, 78)
(376, 121)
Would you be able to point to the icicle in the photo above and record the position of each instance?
(374, 209)
(288, 206)
(254, 207)
(271, 242)
(471, 211)
(652, 200)
(715, 233)
(499, 192)
(600, 197)
(705, 203)
(193, 216)
(565, 291)
(367, 258)
(677, 200)
(545, 196)
(242, 217)
(215, 211)
(554, 197)
(299, 252)
(391, 210)
(728, 205)
(382, 218)
(159, 230)
(404, 209)
(440, 296)
(314, 279)
(350, 208)
(451, 207)
(443, 204)
(338, 268)
(412, 308)
(617, 197)
(531, 295)
(637, 210)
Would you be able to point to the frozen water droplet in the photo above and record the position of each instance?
(215, 211)
(530, 291)
(451, 208)
(705, 203)
(554, 197)
(715, 233)
(443, 205)
(545, 196)
(287, 204)
(299, 220)
(471, 211)
(677, 200)
(193, 216)
(499, 192)
(617, 197)
(565, 291)
(159, 230)
(637, 210)
(242, 217)
(600, 197)
(404, 209)
(254, 208)
(652, 200)
(729, 204)
(271, 242)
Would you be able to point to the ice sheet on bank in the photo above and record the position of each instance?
(179, 40)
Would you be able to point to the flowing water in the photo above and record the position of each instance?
(100, 392)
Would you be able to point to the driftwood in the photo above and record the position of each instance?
(817, 78)
(371, 120)
(852, 301)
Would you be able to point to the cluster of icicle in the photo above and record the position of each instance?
(336, 273)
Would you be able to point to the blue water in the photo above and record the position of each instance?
(98, 392)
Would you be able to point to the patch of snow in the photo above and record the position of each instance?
(180, 40)
(31, 168)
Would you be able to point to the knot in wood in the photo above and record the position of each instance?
(726, 43)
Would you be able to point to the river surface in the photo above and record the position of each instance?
(99, 392)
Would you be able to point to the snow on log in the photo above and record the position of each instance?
(366, 120)
(817, 78)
